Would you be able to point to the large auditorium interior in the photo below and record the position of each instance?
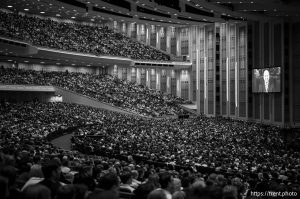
(149, 99)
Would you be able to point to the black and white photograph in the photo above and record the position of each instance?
(149, 99)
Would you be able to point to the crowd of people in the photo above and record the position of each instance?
(226, 145)
(105, 88)
(123, 156)
(75, 37)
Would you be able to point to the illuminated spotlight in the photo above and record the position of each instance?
(73, 17)
(9, 6)
(26, 9)
(42, 12)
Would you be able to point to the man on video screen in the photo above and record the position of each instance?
(266, 84)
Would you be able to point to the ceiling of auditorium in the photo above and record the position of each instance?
(161, 12)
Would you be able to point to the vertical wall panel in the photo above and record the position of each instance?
(242, 71)
(223, 66)
(210, 35)
(232, 58)
(278, 62)
(266, 107)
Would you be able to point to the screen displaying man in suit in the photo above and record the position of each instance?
(266, 80)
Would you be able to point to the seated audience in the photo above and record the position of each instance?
(105, 88)
(75, 37)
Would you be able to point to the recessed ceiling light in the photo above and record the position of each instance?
(9, 6)
(42, 12)
(73, 17)
(58, 15)
(26, 9)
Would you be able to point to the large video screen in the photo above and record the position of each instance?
(266, 80)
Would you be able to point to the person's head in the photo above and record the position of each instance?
(230, 192)
(166, 181)
(86, 170)
(135, 174)
(36, 191)
(126, 177)
(143, 190)
(36, 171)
(66, 192)
(154, 179)
(157, 194)
(51, 169)
(177, 184)
(109, 181)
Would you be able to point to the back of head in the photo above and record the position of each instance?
(177, 184)
(157, 194)
(50, 166)
(164, 179)
(143, 190)
(126, 177)
(108, 181)
(154, 179)
(36, 191)
(230, 192)
(36, 171)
